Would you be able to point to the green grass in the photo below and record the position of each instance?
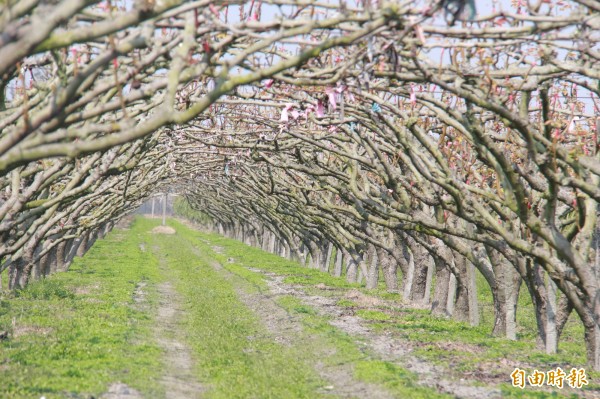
(318, 336)
(236, 357)
(398, 381)
(76, 332)
(418, 325)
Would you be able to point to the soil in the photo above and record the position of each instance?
(163, 230)
(287, 330)
(119, 390)
(178, 378)
(384, 346)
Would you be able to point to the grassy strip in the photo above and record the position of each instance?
(236, 358)
(440, 340)
(75, 333)
(318, 334)
(398, 381)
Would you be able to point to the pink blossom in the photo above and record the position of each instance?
(284, 116)
(310, 108)
(213, 9)
(331, 95)
(268, 83)
(320, 109)
(284, 112)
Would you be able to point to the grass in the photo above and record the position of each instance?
(236, 357)
(477, 348)
(318, 336)
(398, 381)
(76, 332)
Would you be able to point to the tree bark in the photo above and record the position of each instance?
(421, 287)
(389, 266)
(327, 259)
(408, 278)
(82, 248)
(473, 301)
(339, 261)
(551, 333)
(373, 271)
(462, 300)
(351, 266)
(442, 288)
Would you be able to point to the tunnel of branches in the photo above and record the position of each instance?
(422, 144)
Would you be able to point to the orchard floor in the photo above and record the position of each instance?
(195, 315)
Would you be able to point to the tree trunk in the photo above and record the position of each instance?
(164, 210)
(592, 344)
(551, 333)
(272, 239)
(26, 275)
(327, 259)
(373, 271)
(421, 287)
(389, 266)
(14, 273)
(442, 288)
(408, 278)
(472, 294)
(70, 253)
(50, 265)
(315, 254)
(505, 294)
(339, 261)
(452, 298)
(351, 266)
(82, 248)
(462, 300)
(92, 237)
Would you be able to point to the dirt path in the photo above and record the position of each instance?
(382, 345)
(287, 330)
(178, 377)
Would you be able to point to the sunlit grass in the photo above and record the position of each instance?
(420, 326)
(75, 333)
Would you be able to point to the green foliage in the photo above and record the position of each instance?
(75, 333)
(347, 303)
